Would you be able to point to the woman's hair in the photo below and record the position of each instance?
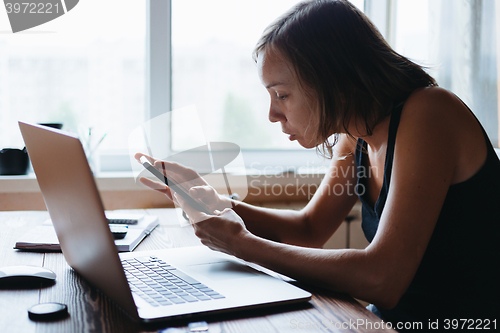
(337, 52)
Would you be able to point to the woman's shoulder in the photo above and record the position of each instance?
(433, 101)
(435, 116)
(439, 109)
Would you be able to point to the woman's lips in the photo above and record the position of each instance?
(291, 137)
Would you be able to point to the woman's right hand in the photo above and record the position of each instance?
(188, 178)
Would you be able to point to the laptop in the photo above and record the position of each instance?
(150, 286)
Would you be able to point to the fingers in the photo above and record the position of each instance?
(174, 170)
(159, 165)
(157, 186)
(202, 191)
(138, 156)
(205, 194)
(194, 215)
(178, 171)
(221, 232)
(171, 167)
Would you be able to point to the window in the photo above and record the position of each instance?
(456, 40)
(110, 65)
(212, 68)
(85, 69)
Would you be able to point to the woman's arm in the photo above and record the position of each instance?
(314, 224)
(311, 226)
(428, 148)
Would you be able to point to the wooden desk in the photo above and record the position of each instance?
(90, 311)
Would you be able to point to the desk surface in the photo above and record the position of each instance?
(90, 311)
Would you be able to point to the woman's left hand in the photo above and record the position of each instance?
(221, 232)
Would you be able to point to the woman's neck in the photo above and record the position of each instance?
(378, 139)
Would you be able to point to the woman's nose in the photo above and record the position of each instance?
(275, 115)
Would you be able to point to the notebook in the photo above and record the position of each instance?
(149, 286)
(43, 237)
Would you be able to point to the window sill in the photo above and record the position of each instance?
(107, 181)
(125, 181)
(119, 190)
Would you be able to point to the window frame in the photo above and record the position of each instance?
(159, 98)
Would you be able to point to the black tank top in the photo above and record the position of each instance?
(459, 275)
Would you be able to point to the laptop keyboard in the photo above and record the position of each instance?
(160, 284)
(122, 221)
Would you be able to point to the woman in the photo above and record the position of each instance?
(430, 196)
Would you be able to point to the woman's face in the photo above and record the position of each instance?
(290, 104)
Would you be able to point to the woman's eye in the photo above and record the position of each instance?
(282, 97)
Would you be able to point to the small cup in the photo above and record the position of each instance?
(14, 161)
(53, 125)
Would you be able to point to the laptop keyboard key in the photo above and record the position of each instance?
(189, 298)
(143, 259)
(203, 298)
(183, 276)
(188, 288)
(177, 300)
(198, 285)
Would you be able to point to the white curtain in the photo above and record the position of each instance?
(456, 39)
(463, 45)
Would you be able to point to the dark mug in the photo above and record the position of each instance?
(14, 161)
(53, 125)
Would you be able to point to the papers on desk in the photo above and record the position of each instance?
(43, 238)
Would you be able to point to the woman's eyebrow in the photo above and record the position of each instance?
(275, 84)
